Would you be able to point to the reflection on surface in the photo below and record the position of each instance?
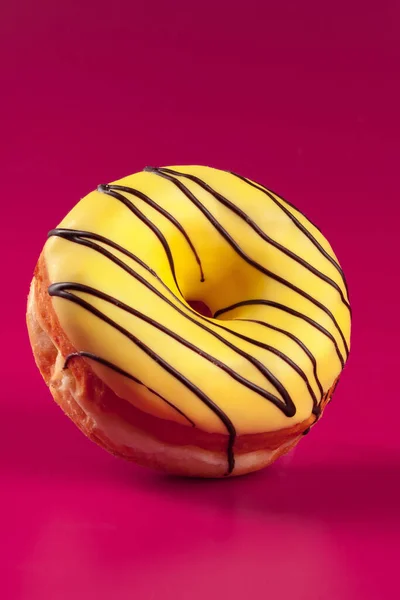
(84, 517)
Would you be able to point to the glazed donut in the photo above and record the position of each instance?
(190, 319)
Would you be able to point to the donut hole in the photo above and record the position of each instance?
(200, 307)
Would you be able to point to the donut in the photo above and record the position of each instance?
(190, 319)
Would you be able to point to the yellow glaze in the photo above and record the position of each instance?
(229, 279)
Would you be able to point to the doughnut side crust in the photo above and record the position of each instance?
(94, 408)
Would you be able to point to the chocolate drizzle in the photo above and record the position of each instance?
(78, 237)
(117, 369)
(296, 340)
(105, 189)
(287, 406)
(62, 290)
(237, 211)
(274, 197)
(288, 310)
(70, 291)
(166, 173)
(129, 190)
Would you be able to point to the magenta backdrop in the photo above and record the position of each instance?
(306, 102)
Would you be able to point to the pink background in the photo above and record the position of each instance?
(306, 102)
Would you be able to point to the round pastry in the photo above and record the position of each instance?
(190, 319)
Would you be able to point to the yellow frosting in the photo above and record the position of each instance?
(229, 279)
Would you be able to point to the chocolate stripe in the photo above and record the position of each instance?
(165, 213)
(290, 311)
(271, 195)
(245, 256)
(240, 213)
(117, 369)
(60, 290)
